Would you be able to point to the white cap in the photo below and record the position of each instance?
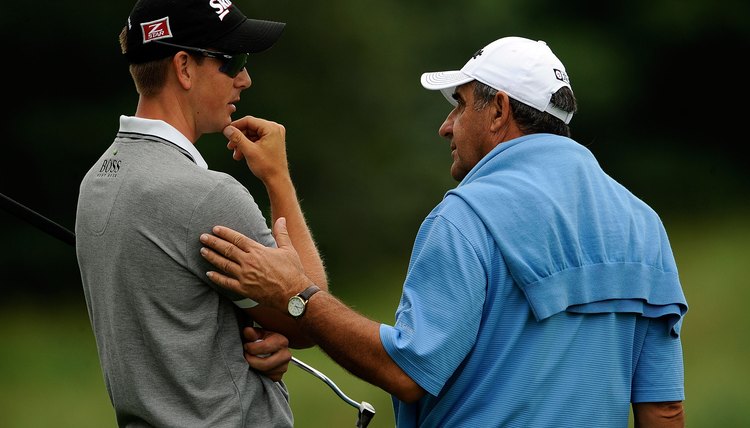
(526, 70)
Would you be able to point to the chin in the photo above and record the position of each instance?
(457, 173)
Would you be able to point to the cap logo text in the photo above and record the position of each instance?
(156, 30)
(221, 6)
(562, 76)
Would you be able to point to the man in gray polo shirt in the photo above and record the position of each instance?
(168, 339)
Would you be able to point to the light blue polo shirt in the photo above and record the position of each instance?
(540, 292)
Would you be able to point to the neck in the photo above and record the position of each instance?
(169, 109)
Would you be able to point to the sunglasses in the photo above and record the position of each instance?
(231, 65)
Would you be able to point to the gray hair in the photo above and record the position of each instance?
(529, 119)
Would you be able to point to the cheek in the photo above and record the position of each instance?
(465, 132)
(469, 142)
(215, 99)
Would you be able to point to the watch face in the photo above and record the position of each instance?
(296, 306)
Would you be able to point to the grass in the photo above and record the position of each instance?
(713, 255)
(51, 377)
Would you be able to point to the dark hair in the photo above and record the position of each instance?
(529, 119)
(150, 77)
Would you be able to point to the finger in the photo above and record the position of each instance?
(246, 122)
(258, 348)
(252, 127)
(234, 135)
(224, 263)
(227, 242)
(260, 354)
(241, 143)
(256, 128)
(269, 342)
(225, 281)
(281, 233)
(274, 341)
(220, 253)
(267, 360)
(275, 373)
(231, 237)
(251, 334)
(273, 366)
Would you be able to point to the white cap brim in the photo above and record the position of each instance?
(445, 81)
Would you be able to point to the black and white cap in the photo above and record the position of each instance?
(206, 24)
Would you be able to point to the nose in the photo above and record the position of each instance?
(243, 80)
(446, 129)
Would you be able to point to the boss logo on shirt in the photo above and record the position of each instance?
(109, 168)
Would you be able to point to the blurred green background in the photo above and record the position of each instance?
(661, 87)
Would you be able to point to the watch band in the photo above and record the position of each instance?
(308, 292)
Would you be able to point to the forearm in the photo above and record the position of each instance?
(262, 144)
(659, 415)
(353, 341)
(284, 203)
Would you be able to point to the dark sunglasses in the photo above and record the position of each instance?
(231, 65)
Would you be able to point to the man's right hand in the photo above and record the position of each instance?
(262, 144)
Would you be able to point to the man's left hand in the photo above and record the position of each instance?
(266, 351)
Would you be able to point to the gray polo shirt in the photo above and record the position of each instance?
(168, 338)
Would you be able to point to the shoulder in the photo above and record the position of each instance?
(454, 220)
(455, 210)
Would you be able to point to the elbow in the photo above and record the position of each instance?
(394, 380)
(409, 392)
(659, 414)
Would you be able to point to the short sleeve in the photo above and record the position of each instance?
(441, 306)
(659, 372)
(229, 204)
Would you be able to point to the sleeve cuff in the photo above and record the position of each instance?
(246, 303)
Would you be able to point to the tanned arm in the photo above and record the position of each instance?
(668, 414)
(262, 144)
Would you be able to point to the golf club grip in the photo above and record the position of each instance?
(38, 220)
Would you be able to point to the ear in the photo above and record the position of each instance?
(500, 108)
(181, 65)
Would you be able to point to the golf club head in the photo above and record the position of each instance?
(366, 413)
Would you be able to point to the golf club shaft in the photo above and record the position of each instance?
(25, 213)
(325, 379)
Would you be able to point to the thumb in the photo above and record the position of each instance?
(236, 138)
(281, 234)
(251, 334)
(233, 135)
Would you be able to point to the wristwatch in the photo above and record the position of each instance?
(298, 303)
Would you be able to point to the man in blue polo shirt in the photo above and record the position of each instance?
(540, 291)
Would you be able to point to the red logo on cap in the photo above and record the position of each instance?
(156, 30)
